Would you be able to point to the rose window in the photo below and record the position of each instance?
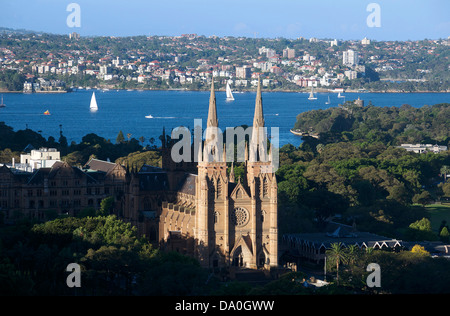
(239, 216)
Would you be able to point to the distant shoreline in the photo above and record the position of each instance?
(223, 90)
(44, 92)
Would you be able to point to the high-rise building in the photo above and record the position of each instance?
(350, 58)
(288, 53)
(243, 72)
(74, 35)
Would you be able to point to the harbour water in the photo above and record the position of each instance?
(126, 111)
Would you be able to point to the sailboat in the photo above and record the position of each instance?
(229, 93)
(93, 105)
(340, 96)
(2, 105)
(311, 95)
(328, 102)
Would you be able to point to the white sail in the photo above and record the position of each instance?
(311, 95)
(93, 106)
(229, 93)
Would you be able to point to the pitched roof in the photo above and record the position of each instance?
(155, 181)
(99, 165)
(187, 184)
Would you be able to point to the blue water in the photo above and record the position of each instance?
(126, 110)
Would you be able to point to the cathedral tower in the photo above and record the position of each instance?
(212, 186)
(237, 221)
(233, 223)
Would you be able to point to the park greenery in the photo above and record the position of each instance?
(354, 168)
(353, 172)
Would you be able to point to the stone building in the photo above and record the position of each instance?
(195, 207)
(221, 220)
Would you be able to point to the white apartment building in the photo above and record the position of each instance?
(38, 158)
(351, 74)
(350, 58)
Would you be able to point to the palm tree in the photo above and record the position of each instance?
(337, 254)
(445, 170)
(353, 253)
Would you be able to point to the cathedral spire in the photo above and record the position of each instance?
(232, 177)
(258, 141)
(212, 112)
(211, 149)
(258, 120)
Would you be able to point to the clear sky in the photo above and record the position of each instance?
(340, 19)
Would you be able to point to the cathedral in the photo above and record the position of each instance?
(196, 207)
(221, 220)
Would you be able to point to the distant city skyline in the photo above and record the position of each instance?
(342, 20)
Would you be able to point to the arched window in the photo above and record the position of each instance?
(265, 187)
(216, 217)
(219, 188)
(263, 215)
(211, 190)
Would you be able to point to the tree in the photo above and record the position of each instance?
(120, 138)
(444, 234)
(446, 189)
(324, 203)
(445, 170)
(142, 140)
(420, 230)
(337, 255)
(419, 249)
(423, 198)
(106, 206)
(424, 224)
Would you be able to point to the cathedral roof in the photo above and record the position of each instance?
(154, 181)
(187, 184)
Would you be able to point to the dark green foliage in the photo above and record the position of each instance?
(389, 125)
(401, 273)
(11, 80)
(129, 152)
(114, 261)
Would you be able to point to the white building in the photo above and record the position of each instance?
(351, 74)
(36, 159)
(288, 52)
(350, 58)
(334, 43)
(365, 41)
(243, 72)
(423, 148)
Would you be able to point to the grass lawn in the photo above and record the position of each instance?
(438, 212)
